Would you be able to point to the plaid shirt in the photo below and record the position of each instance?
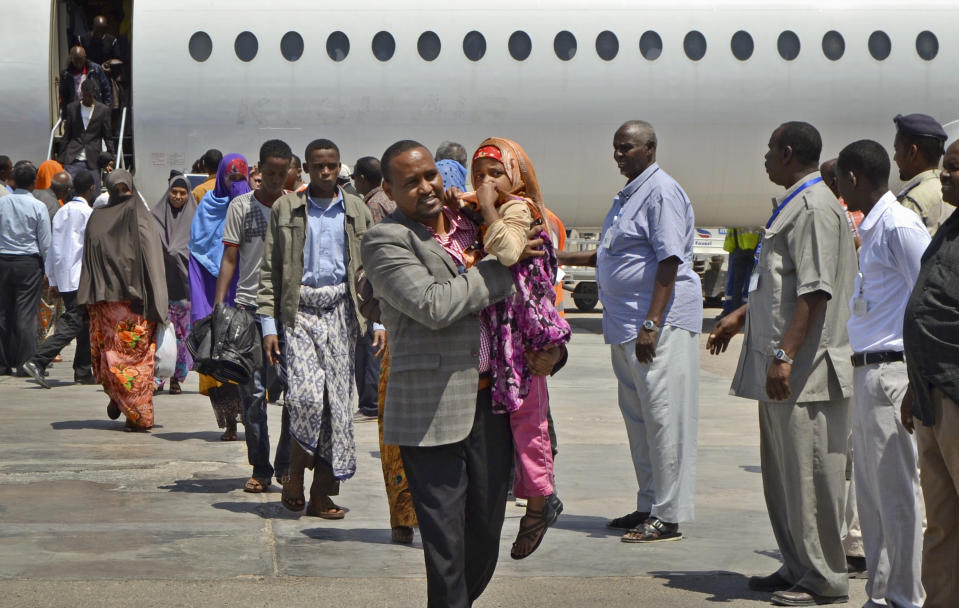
(460, 235)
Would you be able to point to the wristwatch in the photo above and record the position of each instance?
(780, 355)
(649, 325)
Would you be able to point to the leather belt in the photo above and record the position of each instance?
(886, 356)
(485, 381)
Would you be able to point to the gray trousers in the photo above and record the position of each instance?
(887, 487)
(803, 456)
(660, 406)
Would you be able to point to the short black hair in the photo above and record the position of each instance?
(275, 148)
(211, 160)
(368, 168)
(5, 162)
(82, 182)
(24, 174)
(91, 88)
(319, 144)
(866, 158)
(451, 150)
(804, 139)
(297, 162)
(930, 148)
(392, 152)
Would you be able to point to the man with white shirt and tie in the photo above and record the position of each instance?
(884, 454)
(63, 273)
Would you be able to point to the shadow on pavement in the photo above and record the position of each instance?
(591, 525)
(98, 424)
(751, 468)
(211, 436)
(718, 586)
(377, 536)
(268, 510)
(205, 486)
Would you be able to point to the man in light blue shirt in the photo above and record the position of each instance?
(24, 241)
(652, 316)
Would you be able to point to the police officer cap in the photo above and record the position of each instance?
(920, 125)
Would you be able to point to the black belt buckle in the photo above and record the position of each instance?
(888, 356)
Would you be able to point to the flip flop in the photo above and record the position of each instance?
(292, 496)
(328, 511)
(256, 486)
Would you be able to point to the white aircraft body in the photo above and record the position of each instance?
(671, 62)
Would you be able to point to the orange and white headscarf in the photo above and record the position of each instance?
(520, 172)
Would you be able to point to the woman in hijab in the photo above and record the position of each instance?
(174, 213)
(45, 173)
(123, 285)
(206, 253)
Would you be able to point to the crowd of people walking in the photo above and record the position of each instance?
(439, 306)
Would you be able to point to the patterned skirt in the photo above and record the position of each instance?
(122, 345)
(394, 476)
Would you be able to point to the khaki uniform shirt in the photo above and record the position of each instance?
(923, 195)
(807, 248)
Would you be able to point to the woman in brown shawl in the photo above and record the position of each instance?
(123, 285)
(174, 213)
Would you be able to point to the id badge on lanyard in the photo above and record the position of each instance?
(754, 277)
(859, 304)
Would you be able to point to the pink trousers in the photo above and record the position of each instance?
(532, 451)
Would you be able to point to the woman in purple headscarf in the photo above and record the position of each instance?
(206, 252)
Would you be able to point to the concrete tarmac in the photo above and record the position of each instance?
(92, 516)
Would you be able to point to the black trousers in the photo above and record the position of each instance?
(367, 371)
(21, 278)
(74, 323)
(459, 493)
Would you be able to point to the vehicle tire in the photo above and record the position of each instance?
(586, 296)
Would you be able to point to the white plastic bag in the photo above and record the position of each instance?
(165, 363)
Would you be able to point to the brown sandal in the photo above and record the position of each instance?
(329, 510)
(292, 496)
(175, 387)
(257, 486)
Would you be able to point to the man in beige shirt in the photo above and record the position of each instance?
(918, 148)
(796, 362)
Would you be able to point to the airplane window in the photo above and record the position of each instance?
(564, 44)
(384, 45)
(650, 45)
(742, 45)
(201, 47)
(927, 45)
(788, 45)
(520, 46)
(474, 46)
(337, 46)
(833, 45)
(695, 45)
(246, 46)
(428, 46)
(879, 45)
(291, 46)
(607, 45)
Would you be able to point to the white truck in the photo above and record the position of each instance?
(709, 261)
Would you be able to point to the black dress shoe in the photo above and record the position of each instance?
(88, 379)
(773, 582)
(628, 522)
(36, 373)
(797, 596)
(856, 567)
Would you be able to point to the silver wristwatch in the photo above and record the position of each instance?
(649, 325)
(780, 355)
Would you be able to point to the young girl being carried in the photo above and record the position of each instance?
(507, 203)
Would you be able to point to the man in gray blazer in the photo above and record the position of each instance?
(456, 452)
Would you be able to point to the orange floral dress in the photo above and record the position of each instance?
(123, 345)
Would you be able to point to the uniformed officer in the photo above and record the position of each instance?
(918, 148)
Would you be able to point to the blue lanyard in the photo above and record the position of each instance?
(775, 214)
